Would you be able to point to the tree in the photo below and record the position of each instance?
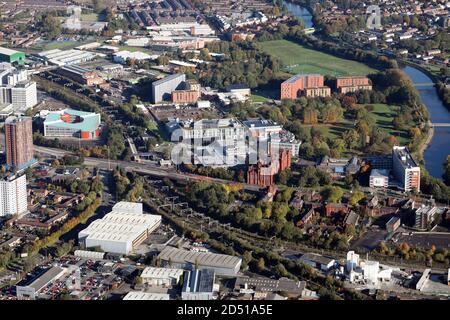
(446, 175)
(356, 197)
(98, 6)
(204, 54)
(261, 265)
(51, 26)
(351, 138)
(310, 116)
(332, 194)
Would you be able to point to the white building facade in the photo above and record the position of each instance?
(406, 170)
(13, 196)
(121, 230)
(16, 88)
(161, 276)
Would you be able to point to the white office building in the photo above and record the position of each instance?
(274, 134)
(162, 89)
(379, 178)
(406, 170)
(121, 230)
(16, 89)
(215, 142)
(13, 196)
(161, 276)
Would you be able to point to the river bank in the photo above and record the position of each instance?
(435, 147)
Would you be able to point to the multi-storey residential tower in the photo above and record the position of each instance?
(19, 142)
(13, 195)
(406, 170)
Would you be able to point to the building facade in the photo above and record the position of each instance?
(406, 170)
(185, 96)
(268, 131)
(162, 89)
(121, 230)
(316, 92)
(222, 264)
(12, 56)
(161, 276)
(215, 142)
(379, 178)
(13, 196)
(351, 84)
(198, 285)
(19, 142)
(81, 75)
(291, 88)
(16, 88)
(72, 123)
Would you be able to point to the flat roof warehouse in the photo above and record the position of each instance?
(202, 259)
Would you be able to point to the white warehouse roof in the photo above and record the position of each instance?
(137, 295)
(118, 230)
(161, 273)
(128, 207)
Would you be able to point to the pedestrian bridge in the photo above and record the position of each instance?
(430, 84)
(435, 125)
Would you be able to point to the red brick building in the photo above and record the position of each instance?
(333, 208)
(285, 159)
(291, 88)
(19, 141)
(264, 175)
(352, 84)
(185, 96)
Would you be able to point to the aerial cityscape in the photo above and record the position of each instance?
(227, 150)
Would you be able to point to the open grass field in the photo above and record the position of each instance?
(92, 17)
(383, 115)
(62, 45)
(299, 59)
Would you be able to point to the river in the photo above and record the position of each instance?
(300, 12)
(439, 147)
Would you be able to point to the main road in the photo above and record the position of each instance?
(143, 168)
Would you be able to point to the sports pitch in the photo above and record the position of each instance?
(299, 59)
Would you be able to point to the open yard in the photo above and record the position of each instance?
(299, 59)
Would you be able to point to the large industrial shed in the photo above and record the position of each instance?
(121, 230)
(222, 264)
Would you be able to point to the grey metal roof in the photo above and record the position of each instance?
(168, 78)
(201, 258)
(317, 258)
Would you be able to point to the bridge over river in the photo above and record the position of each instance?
(435, 125)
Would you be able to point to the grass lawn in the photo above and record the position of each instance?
(299, 59)
(92, 17)
(257, 98)
(383, 115)
(56, 45)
